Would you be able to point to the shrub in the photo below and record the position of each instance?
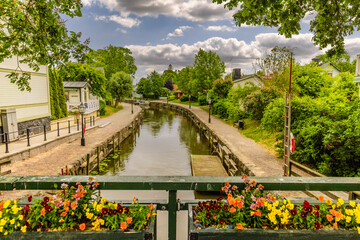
(171, 97)
(220, 108)
(102, 107)
(202, 100)
(184, 98)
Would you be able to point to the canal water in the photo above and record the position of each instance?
(162, 146)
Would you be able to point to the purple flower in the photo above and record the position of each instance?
(343, 124)
(328, 145)
(64, 185)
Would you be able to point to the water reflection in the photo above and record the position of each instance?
(163, 148)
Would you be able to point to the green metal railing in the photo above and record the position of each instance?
(173, 184)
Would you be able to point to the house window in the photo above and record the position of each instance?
(67, 96)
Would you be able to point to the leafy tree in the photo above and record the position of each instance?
(57, 96)
(222, 87)
(333, 20)
(144, 87)
(157, 84)
(184, 77)
(74, 72)
(113, 59)
(34, 31)
(208, 67)
(120, 86)
(169, 85)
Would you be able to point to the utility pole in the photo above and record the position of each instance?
(287, 126)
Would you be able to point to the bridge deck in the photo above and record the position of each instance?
(207, 165)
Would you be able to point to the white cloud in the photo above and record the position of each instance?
(222, 28)
(199, 10)
(309, 16)
(122, 20)
(178, 32)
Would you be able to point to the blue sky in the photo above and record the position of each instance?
(163, 32)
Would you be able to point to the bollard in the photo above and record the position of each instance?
(94, 121)
(84, 122)
(90, 121)
(6, 143)
(58, 129)
(77, 123)
(98, 158)
(69, 125)
(62, 171)
(28, 137)
(44, 132)
(67, 171)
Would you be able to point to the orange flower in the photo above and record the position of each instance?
(73, 205)
(239, 203)
(337, 215)
(321, 198)
(61, 220)
(63, 214)
(134, 199)
(148, 216)
(256, 213)
(42, 212)
(128, 220)
(151, 206)
(91, 178)
(96, 184)
(239, 226)
(123, 226)
(82, 226)
(335, 226)
(329, 217)
(231, 201)
(232, 210)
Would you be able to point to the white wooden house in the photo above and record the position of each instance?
(357, 73)
(253, 78)
(77, 93)
(329, 67)
(22, 109)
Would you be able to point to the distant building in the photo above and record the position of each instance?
(20, 110)
(77, 93)
(253, 78)
(357, 73)
(329, 67)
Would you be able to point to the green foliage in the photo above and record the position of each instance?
(114, 59)
(157, 84)
(202, 100)
(222, 87)
(220, 108)
(77, 72)
(102, 107)
(120, 86)
(184, 98)
(342, 62)
(34, 31)
(57, 96)
(144, 87)
(184, 77)
(332, 23)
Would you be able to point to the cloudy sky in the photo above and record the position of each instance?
(160, 32)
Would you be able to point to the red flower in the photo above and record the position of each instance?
(220, 198)
(317, 225)
(208, 215)
(82, 226)
(126, 210)
(30, 198)
(46, 199)
(27, 223)
(317, 207)
(317, 214)
(303, 214)
(221, 221)
(225, 207)
(293, 212)
(309, 209)
(104, 211)
(306, 204)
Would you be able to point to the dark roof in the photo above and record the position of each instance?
(74, 84)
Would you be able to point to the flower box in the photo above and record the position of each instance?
(252, 234)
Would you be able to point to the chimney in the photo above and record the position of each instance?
(316, 60)
(236, 73)
(357, 73)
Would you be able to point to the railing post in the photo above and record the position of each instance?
(172, 215)
(69, 125)
(28, 137)
(94, 121)
(44, 132)
(6, 143)
(58, 129)
(98, 158)
(77, 123)
(85, 122)
(87, 163)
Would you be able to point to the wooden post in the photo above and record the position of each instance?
(98, 158)
(87, 163)
(113, 144)
(119, 141)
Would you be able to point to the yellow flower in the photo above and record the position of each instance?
(103, 201)
(101, 221)
(14, 209)
(6, 233)
(6, 204)
(348, 219)
(328, 202)
(89, 215)
(340, 202)
(352, 203)
(358, 229)
(21, 217)
(23, 228)
(3, 222)
(1, 229)
(12, 221)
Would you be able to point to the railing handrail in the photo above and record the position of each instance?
(183, 183)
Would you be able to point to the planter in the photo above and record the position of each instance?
(254, 234)
(88, 235)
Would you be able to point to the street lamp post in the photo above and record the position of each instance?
(189, 101)
(209, 109)
(132, 103)
(82, 111)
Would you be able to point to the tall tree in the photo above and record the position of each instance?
(120, 86)
(34, 31)
(157, 84)
(57, 96)
(208, 67)
(333, 20)
(144, 87)
(184, 77)
(83, 72)
(113, 59)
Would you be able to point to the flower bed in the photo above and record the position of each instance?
(259, 213)
(72, 213)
